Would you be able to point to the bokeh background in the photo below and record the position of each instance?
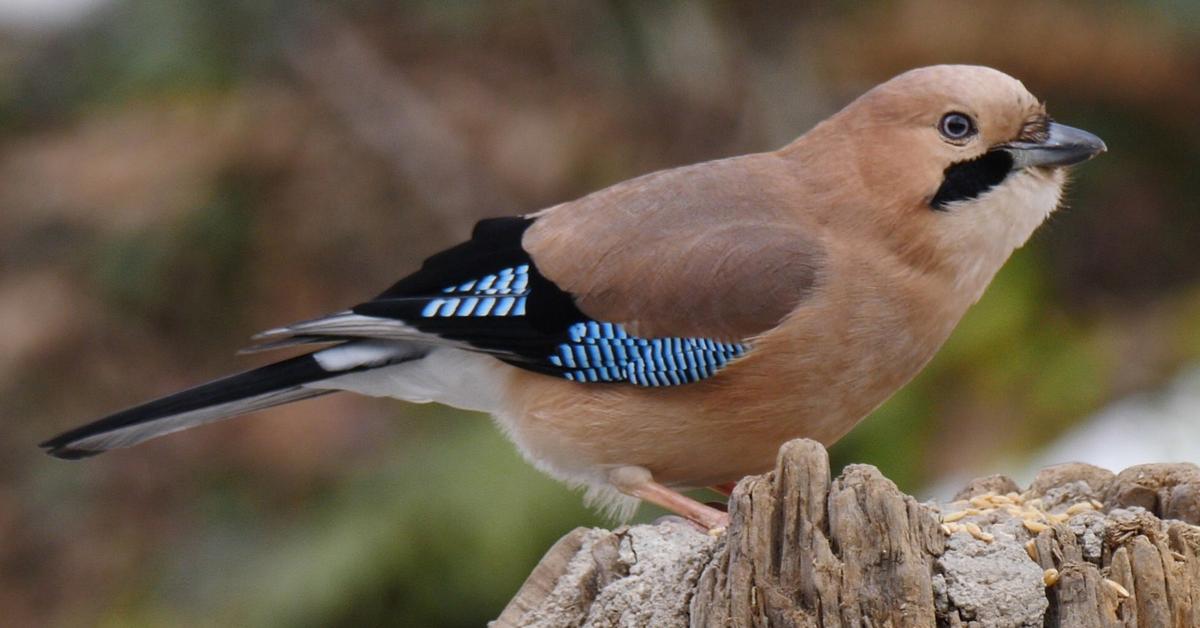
(175, 176)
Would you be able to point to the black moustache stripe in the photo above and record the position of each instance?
(966, 180)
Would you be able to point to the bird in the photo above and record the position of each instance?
(672, 331)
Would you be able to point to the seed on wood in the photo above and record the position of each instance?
(954, 516)
(1035, 527)
(982, 501)
(1050, 577)
(1116, 587)
(1080, 507)
(978, 533)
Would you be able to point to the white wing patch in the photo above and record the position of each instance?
(461, 379)
(358, 354)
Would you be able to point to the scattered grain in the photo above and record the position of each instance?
(1050, 577)
(1116, 588)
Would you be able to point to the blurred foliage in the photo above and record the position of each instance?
(173, 273)
(175, 176)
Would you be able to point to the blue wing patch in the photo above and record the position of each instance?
(592, 351)
(605, 352)
(488, 294)
(500, 294)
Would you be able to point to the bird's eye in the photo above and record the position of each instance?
(956, 126)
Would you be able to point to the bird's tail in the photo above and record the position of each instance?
(258, 389)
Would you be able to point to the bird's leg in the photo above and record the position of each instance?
(638, 482)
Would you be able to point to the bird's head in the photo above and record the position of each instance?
(958, 163)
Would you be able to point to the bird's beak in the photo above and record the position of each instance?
(1064, 146)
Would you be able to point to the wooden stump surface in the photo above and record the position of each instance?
(1080, 547)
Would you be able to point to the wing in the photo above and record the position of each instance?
(718, 249)
(621, 286)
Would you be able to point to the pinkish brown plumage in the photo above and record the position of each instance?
(673, 330)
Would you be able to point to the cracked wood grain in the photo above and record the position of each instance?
(807, 549)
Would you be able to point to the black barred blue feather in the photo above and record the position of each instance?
(488, 294)
(604, 352)
(499, 294)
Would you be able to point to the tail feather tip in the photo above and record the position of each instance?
(63, 451)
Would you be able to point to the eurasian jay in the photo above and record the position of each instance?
(673, 330)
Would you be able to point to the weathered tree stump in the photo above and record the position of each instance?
(1081, 547)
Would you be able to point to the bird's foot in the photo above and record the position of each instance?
(638, 482)
(717, 530)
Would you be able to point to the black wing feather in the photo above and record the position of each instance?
(495, 244)
(529, 321)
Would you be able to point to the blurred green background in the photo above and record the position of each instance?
(175, 176)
